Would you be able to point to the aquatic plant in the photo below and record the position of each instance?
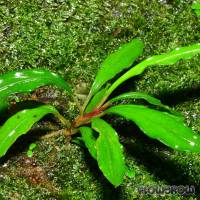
(156, 120)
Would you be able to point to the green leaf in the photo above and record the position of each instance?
(89, 139)
(29, 153)
(197, 12)
(95, 100)
(130, 172)
(23, 81)
(161, 126)
(163, 59)
(21, 123)
(116, 62)
(195, 6)
(110, 156)
(32, 146)
(137, 95)
(148, 98)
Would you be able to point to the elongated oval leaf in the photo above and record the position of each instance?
(21, 123)
(163, 59)
(161, 126)
(23, 81)
(110, 156)
(146, 97)
(116, 62)
(89, 139)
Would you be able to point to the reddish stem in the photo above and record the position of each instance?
(86, 118)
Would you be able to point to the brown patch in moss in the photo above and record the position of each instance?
(34, 173)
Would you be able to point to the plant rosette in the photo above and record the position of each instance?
(156, 120)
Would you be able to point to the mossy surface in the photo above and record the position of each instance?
(72, 38)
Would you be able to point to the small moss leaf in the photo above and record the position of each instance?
(130, 172)
(20, 124)
(32, 146)
(161, 126)
(29, 153)
(89, 138)
(110, 156)
(23, 81)
(116, 62)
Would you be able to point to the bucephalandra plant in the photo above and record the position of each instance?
(157, 121)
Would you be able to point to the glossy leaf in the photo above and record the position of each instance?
(95, 100)
(89, 139)
(23, 81)
(116, 62)
(21, 123)
(146, 97)
(161, 126)
(110, 156)
(163, 59)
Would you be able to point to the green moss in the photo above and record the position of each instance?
(72, 38)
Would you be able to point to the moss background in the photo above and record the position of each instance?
(72, 38)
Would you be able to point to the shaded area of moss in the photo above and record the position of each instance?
(72, 38)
